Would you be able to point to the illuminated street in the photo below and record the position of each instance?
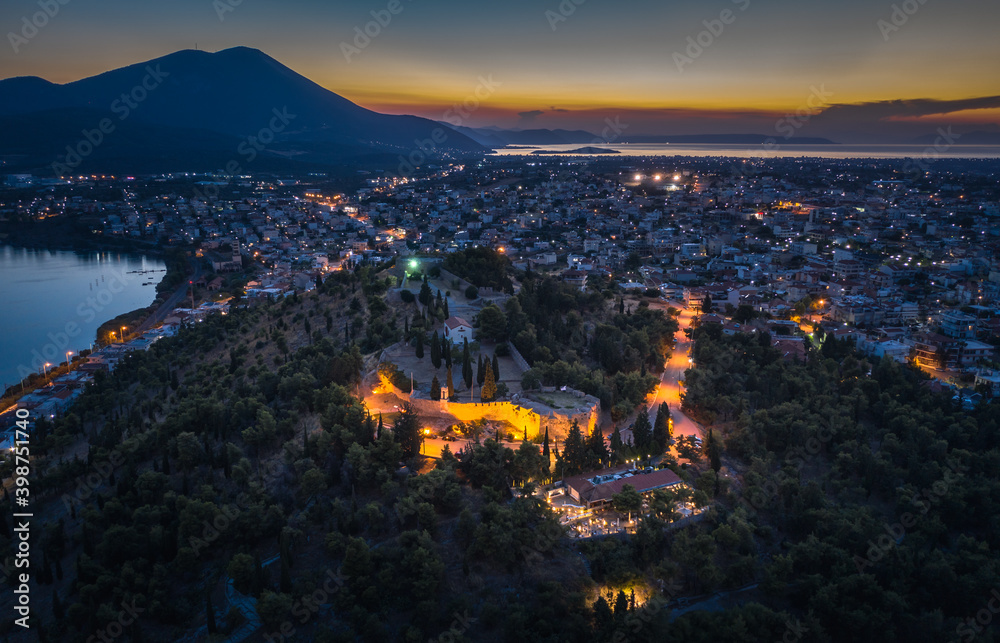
(669, 389)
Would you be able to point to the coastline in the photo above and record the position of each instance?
(176, 271)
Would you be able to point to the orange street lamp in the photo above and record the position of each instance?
(68, 353)
(123, 333)
(45, 367)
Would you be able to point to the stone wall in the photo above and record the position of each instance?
(522, 413)
(518, 359)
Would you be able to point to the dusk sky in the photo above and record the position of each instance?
(604, 59)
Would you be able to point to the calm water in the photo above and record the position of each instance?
(54, 301)
(782, 151)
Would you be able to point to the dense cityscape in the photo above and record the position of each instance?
(607, 413)
(526, 322)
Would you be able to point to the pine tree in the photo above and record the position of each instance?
(420, 345)
(435, 350)
(446, 313)
(406, 431)
(480, 375)
(596, 450)
(450, 384)
(435, 388)
(378, 430)
(574, 450)
(496, 368)
(489, 390)
(621, 305)
(446, 349)
(545, 446)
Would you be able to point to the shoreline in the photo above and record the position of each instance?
(175, 272)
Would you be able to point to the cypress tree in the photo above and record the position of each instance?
(480, 375)
(209, 612)
(489, 390)
(661, 428)
(466, 365)
(496, 368)
(642, 432)
(435, 350)
(450, 384)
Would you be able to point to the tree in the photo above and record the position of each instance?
(420, 345)
(466, 364)
(241, 570)
(707, 305)
(480, 375)
(574, 450)
(424, 297)
(435, 388)
(616, 443)
(209, 613)
(597, 450)
(489, 390)
(642, 432)
(450, 384)
(628, 501)
(407, 296)
(472, 293)
(446, 350)
(407, 431)
(744, 313)
(545, 446)
(436, 350)
(661, 428)
(492, 323)
(188, 450)
(496, 367)
(714, 451)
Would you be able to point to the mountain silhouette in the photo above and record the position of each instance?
(237, 103)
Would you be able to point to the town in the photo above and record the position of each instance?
(545, 314)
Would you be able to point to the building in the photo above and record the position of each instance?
(457, 330)
(595, 489)
(958, 325)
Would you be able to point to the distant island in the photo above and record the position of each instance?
(579, 150)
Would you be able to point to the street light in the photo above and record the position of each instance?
(68, 353)
(45, 367)
(123, 333)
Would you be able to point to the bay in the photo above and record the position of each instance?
(54, 301)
